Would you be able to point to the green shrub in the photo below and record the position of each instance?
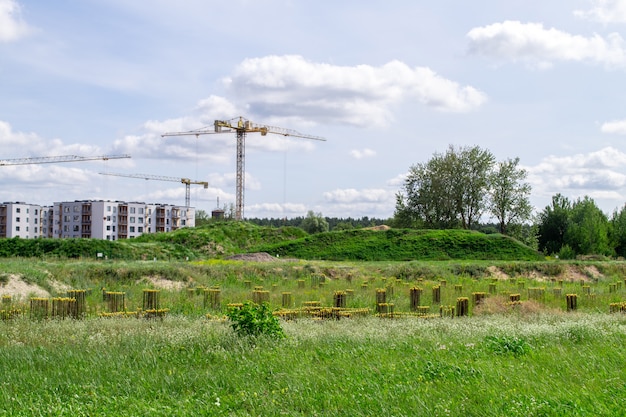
(503, 345)
(253, 319)
(567, 252)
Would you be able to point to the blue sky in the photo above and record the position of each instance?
(388, 84)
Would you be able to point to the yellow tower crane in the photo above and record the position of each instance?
(242, 126)
(185, 181)
(57, 159)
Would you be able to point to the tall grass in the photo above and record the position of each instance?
(537, 365)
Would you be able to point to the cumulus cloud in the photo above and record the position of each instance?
(12, 27)
(207, 145)
(357, 203)
(351, 195)
(597, 174)
(275, 210)
(538, 46)
(616, 126)
(362, 153)
(24, 144)
(290, 87)
(605, 11)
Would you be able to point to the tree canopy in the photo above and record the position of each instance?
(456, 188)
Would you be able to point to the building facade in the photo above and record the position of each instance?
(20, 220)
(114, 220)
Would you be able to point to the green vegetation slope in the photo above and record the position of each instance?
(403, 245)
(218, 240)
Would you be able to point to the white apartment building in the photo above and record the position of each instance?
(113, 220)
(20, 220)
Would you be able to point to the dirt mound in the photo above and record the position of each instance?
(381, 227)
(252, 257)
(496, 272)
(163, 283)
(17, 288)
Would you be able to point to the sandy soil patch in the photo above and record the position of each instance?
(164, 284)
(496, 272)
(381, 227)
(19, 289)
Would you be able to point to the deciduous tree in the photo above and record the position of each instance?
(509, 198)
(448, 191)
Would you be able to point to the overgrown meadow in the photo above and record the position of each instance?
(530, 357)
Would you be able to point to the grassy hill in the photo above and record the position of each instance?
(403, 245)
(218, 240)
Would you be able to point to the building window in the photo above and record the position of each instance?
(140, 229)
(26, 210)
(27, 228)
(17, 228)
(76, 228)
(76, 209)
(17, 210)
(114, 228)
(132, 229)
(139, 219)
(132, 220)
(108, 227)
(66, 209)
(140, 210)
(35, 220)
(108, 218)
(132, 210)
(183, 222)
(17, 219)
(75, 218)
(114, 209)
(114, 219)
(36, 212)
(109, 208)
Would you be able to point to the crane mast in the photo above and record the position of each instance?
(242, 126)
(57, 159)
(185, 181)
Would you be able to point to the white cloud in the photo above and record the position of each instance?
(275, 210)
(616, 126)
(538, 46)
(596, 174)
(207, 146)
(351, 195)
(364, 153)
(398, 181)
(31, 145)
(605, 11)
(12, 27)
(292, 88)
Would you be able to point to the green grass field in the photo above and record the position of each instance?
(537, 365)
(526, 358)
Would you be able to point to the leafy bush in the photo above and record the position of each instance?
(253, 319)
(567, 252)
(503, 345)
